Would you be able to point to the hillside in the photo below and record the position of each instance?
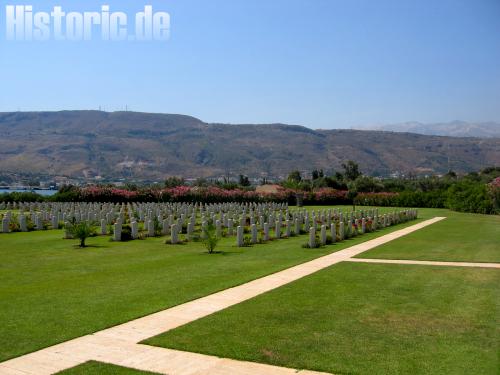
(152, 146)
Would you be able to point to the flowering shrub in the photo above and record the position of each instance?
(329, 196)
(494, 191)
(107, 194)
(211, 194)
(463, 195)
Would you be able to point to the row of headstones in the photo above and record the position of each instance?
(47, 206)
(229, 213)
(345, 229)
(186, 215)
(175, 227)
(55, 212)
(170, 225)
(37, 219)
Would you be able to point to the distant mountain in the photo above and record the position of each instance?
(451, 129)
(153, 146)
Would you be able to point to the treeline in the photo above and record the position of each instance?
(477, 192)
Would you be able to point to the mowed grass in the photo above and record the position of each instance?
(52, 291)
(460, 237)
(357, 318)
(99, 368)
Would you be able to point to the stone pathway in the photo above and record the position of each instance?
(426, 262)
(118, 345)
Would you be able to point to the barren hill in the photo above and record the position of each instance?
(152, 146)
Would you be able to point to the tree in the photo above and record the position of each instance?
(368, 184)
(352, 193)
(81, 231)
(470, 196)
(451, 174)
(336, 182)
(201, 182)
(244, 181)
(351, 170)
(316, 174)
(295, 177)
(174, 181)
(210, 239)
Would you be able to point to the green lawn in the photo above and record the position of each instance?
(99, 368)
(52, 291)
(357, 318)
(461, 237)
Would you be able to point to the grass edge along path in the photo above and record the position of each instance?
(372, 319)
(460, 238)
(101, 368)
(51, 292)
(89, 347)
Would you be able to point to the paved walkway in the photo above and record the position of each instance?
(426, 262)
(118, 345)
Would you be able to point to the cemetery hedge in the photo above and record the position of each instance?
(462, 196)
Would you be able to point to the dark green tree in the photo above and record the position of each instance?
(174, 181)
(351, 170)
(295, 176)
(243, 180)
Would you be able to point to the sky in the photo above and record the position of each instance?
(317, 63)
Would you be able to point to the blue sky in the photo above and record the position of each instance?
(318, 63)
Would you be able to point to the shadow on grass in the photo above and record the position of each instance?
(78, 247)
(220, 252)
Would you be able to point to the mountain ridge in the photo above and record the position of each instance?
(455, 128)
(137, 145)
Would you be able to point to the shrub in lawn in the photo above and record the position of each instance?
(317, 244)
(157, 226)
(329, 240)
(30, 226)
(210, 239)
(247, 241)
(14, 224)
(82, 230)
(126, 232)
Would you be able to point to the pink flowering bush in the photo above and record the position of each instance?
(211, 194)
(106, 194)
(329, 196)
(495, 184)
(494, 191)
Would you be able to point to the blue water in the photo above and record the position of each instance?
(41, 192)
